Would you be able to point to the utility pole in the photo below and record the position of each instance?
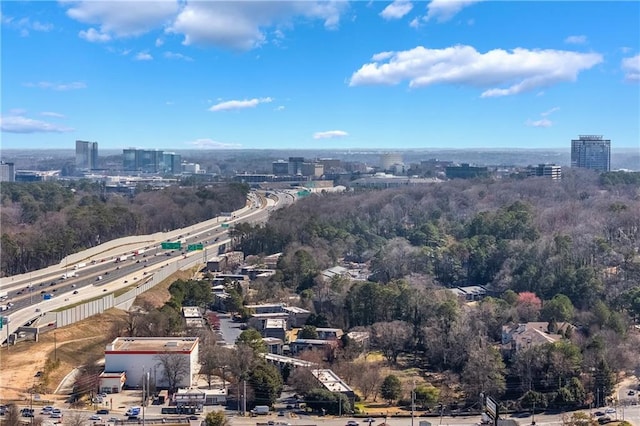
(55, 346)
(244, 398)
(143, 395)
(413, 400)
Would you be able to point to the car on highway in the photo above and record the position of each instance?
(75, 291)
(352, 423)
(95, 417)
(102, 411)
(631, 393)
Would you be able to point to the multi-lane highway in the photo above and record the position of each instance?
(107, 270)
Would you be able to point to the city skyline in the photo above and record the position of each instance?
(310, 75)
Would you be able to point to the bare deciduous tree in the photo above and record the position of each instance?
(175, 367)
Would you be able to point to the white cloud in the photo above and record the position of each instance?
(94, 36)
(330, 134)
(415, 23)
(123, 18)
(173, 55)
(443, 10)
(631, 68)
(25, 25)
(211, 144)
(52, 114)
(159, 42)
(397, 9)
(280, 108)
(74, 85)
(543, 122)
(576, 39)
(143, 56)
(241, 25)
(550, 111)
(236, 104)
(22, 124)
(513, 72)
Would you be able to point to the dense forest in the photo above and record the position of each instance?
(42, 222)
(559, 252)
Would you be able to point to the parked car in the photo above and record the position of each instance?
(102, 411)
(352, 423)
(95, 417)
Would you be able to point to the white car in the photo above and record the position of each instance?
(95, 417)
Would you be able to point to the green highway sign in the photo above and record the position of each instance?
(172, 246)
(225, 225)
(192, 247)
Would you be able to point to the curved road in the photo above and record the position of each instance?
(102, 274)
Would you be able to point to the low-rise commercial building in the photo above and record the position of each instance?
(137, 356)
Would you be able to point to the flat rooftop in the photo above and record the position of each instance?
(151, 345)
(331, 381)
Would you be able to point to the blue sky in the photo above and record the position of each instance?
(307, 74)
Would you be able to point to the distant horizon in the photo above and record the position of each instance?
(502, 149)
(315, 74)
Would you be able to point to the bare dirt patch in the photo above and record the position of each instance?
(73, 346)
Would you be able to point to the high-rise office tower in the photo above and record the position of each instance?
(86, 155)
(591, 152)
(7, 172)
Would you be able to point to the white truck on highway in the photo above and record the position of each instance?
(69, 275)
(3, 295)
(122, 258)
(80, 265)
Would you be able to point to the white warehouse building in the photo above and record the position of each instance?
(138, 355)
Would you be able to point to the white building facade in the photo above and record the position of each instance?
(137, 356)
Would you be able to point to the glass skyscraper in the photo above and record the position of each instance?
(591, 152)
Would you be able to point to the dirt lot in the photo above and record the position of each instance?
(72, 346)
